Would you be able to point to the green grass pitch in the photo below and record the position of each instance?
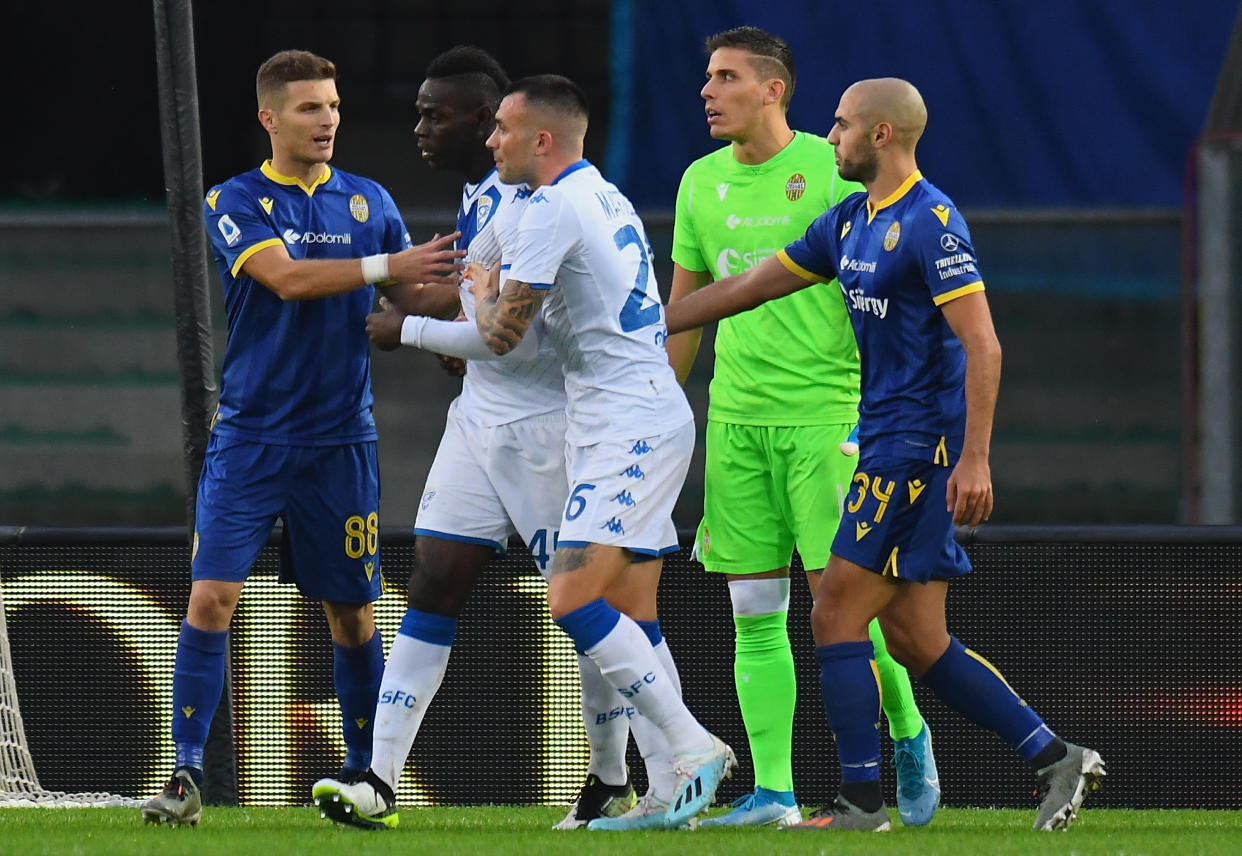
(524, 830)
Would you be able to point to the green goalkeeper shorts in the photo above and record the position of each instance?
(767, 490)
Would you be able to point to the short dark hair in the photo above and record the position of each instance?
(477, 68)
(288, 66)
(771, 54)
(554, 92)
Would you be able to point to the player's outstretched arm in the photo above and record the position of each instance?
(390, 328)
(436, 301)
(307, 279)
(432, 263)
(969, 492)
(684, 347)
(503, 316)
(766, 281)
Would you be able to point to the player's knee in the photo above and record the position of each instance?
(443, 577)
(351, 624)
(824, 621)
(212, 604)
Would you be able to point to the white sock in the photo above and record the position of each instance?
(412, 675)
(604, 713)
(657, 754)
(625, 657)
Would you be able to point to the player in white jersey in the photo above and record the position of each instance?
(500, 469)
(582, 254)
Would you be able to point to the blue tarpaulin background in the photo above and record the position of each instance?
(1056, 103)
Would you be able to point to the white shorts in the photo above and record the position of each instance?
(488, 482)
(624, 491)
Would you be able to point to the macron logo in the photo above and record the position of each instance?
(291, 237)
(721, 190)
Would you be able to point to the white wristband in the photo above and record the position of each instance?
(375, 268)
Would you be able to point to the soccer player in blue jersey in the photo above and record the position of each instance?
(299, 246)
(930, 371)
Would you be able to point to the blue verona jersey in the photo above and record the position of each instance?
(897, 265)
(299, 372)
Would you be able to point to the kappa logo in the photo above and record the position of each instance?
(614, 526)
(634, 471)
(942, 214)
(722, 189)
(266, 202)
(427, 498)
(624, 498)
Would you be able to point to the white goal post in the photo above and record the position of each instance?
(19, 783)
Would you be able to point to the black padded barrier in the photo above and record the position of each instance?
(1126, 639)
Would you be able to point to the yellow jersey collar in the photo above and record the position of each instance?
(271, 173)
(911, 180)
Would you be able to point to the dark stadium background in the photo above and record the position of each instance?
(1063, 131)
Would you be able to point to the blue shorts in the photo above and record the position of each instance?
(328, 498)
(895, 522)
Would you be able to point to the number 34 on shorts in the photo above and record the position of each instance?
(895, 521)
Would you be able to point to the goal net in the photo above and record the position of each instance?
(19, 783)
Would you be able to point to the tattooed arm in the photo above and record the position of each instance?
(504, 316)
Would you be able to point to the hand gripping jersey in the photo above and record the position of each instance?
(791, 361)
(502, 391)
(898, 264)
(581, 238)
(297, 373)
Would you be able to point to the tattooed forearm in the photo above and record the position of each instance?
(503, 320)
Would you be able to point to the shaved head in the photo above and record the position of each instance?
(891, 100)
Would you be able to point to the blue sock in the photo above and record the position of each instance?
(589, 623)
(972, 686)
(429, 627)
(198, 680)
(851, 688)
(357, 672)
(652, 629)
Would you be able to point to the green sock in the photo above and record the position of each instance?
(896, 696)
(763, 669)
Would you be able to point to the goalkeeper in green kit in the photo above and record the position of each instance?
(783, 402)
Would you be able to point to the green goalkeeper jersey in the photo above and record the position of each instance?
(791, 361)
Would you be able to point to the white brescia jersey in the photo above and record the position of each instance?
(581, 239)
(502, 391)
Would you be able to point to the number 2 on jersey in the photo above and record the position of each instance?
(633, 315)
